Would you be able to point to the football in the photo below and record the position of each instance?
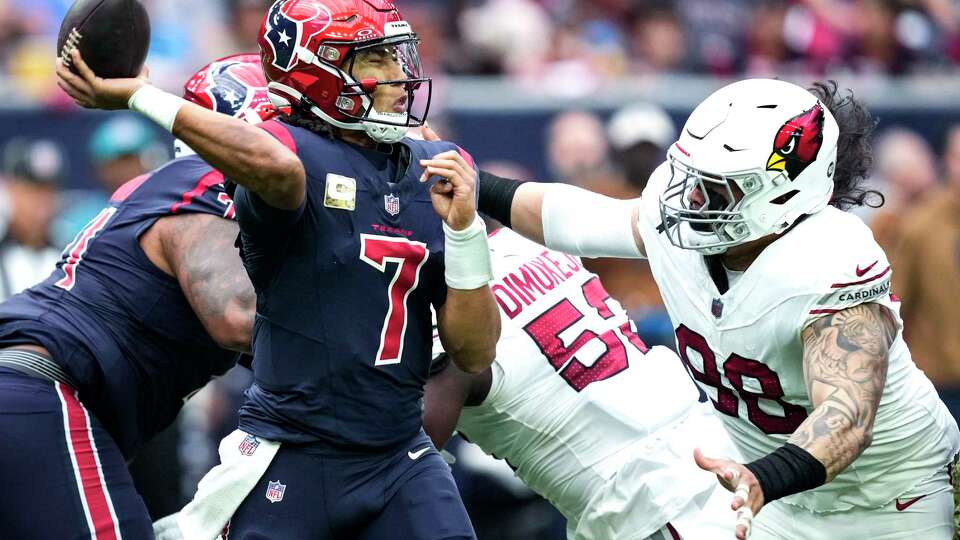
(113, 36)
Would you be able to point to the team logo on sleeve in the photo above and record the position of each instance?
(275, 491)
(798, 142)
(391, 203)
(285, 28)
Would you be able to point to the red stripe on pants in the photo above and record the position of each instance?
(86, 463)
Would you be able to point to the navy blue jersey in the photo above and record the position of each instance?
(118, 325)
(345, 283)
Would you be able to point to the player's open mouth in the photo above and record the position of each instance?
(400, 105)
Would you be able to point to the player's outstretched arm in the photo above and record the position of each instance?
(198, 250)
(845, 359)
(244, 153)
(469, 320)
(562, 217)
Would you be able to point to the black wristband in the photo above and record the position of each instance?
(788, 470)
(496, 196)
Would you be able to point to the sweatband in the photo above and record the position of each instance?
(496, 196)
(467, 257)
(157, 105)
(787, 470)
(580, 222)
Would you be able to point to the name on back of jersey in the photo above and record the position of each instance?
(533, 279)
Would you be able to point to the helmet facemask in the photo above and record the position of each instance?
(704, 211)
(395, 56)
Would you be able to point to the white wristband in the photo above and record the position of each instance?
(467, 257)
(583, 223)
(157, 105)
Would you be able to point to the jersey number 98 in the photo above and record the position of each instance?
(736, 368)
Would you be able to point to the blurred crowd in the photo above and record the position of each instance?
(557, 43)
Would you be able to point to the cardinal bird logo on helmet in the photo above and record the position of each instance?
(798, 142)
(285, 28)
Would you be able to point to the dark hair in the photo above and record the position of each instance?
(300, 116)
(854, 153)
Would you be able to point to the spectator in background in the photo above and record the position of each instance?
(639, 136)
(125, 147)
(577, 152)
(121, 148)
(245, 17)
(926, 277)
(32, 170)
(906, 169)
(658, 40)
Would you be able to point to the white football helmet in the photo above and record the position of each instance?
(753, 158)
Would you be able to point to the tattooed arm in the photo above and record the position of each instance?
(845, 368)
(198, 250)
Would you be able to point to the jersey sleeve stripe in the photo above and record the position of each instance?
(862, 281)
(127, 189)
(823, 311)
(206, 182)
(280, 133)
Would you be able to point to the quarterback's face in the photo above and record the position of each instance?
(383, 64)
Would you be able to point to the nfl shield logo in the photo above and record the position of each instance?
(717, 308)
(392, 204)
(275, 491)
(249, 445)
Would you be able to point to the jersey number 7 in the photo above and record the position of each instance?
(409, 256)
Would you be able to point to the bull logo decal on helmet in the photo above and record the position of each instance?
(229, 93)
(285, 28)
(798, 142)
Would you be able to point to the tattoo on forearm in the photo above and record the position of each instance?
(845, 367)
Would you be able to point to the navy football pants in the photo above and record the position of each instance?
(63, 477)
(406, 494)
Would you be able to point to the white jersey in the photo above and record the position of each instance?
(744, 348)
(576, 397)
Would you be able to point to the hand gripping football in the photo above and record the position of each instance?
(113, 36)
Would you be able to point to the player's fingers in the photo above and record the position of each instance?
(740, 496)
(446, 176)
(448, 173)
(744, 522)
(74, 80)
(707, 463)
(429, 134)
(78, 97)
(442, 188)
(85, 72)
(451, 164)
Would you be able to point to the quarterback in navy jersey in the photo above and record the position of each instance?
(140, 313)
(341, 238)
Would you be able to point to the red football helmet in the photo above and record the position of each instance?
(308, 49)
(234, 86)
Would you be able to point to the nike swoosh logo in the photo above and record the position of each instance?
(901, 506)
(860, 272)
(416, 455)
